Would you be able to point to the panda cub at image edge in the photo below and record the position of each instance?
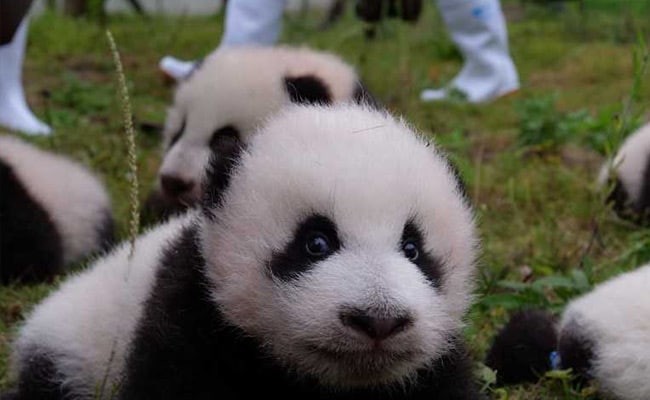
(603, 335)
(231, 93)
(53, 211)
(333, 258)
(631, 169)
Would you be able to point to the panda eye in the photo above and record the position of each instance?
(411, 251)
(317, 245)
(223, 133)
(178, 134)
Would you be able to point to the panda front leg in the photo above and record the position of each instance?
(39, 380)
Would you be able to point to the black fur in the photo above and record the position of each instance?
(178, 134)
(639, 210)
(520, 351)
(158, 207)
(106, 232)
(38, 379)
(217, 137)
(363, 96)
(307, 89)
(30, 244)
(226, 152)
(635, 212)
(576, 350)
(184, 349)
(295, 259)
(643, 204)
(428, 264)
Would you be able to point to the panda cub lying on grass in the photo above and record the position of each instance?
(631, 176)
(229, 94)
(332, 258)
(53, 212)
(603, 335)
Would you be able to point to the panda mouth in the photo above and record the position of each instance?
(376, 355)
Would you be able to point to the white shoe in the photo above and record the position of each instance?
(478, 28)
(14, 111)
(176, 69)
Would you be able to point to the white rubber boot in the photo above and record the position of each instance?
(248, 22)
(478, 28)
(253, 22)
(14, 112)
(176, 69)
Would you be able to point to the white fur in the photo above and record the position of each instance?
(615, 316)
(370, 174)
(367, 172)
(94, 314)
(240, 86)
(71, 195)
(630, 163)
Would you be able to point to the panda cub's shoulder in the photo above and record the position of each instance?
(81, 332)
(54, 211)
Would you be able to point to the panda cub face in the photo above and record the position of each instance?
(230, 93)
(350, 260)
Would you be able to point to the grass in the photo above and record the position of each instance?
(530, 159)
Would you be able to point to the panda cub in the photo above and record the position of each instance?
(229, 94)
(53, 211)
(332, 258)
(603, 335)
(631, 166)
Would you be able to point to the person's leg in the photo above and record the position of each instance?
(247, 22)
(478, 28)
(14, 111)
(252, 22)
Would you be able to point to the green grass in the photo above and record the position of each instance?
(530, 160)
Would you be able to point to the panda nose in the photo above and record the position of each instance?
(375, 327)
(174, 187)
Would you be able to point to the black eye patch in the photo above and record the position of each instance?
(218, 135)
(314, 240)
(412, 246)
(178, 134)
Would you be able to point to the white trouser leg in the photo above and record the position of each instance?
(247, 22)
(478, 28)
(253, 22)
(14, 112)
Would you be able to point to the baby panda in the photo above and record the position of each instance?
(603, 335)
(332, 258)
(53, 211)
(229, 94)
(631, 169)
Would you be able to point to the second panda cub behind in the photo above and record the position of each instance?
(332, 259)
(233, 91)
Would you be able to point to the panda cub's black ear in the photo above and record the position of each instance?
(226, 153)
(363, 97)
(307, 89)
(520, 351)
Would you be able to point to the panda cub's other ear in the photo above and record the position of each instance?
(307, 89)
(226, 153)
(363, 97)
